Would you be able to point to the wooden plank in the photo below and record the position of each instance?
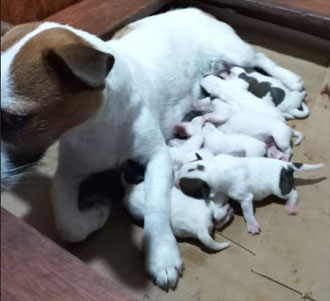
(104, 17)
(35, 268)
(312, 17)
(23, 11)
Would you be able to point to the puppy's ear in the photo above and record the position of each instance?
(195, 188)
(80, 64)
(5, 26)
(198, 156)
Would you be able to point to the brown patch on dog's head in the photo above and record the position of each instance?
(195, 188)
(12, 34)
(57, 81)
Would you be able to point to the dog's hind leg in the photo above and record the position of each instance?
(251, 222)
(292, 201)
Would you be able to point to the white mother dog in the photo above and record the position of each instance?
(110, 101)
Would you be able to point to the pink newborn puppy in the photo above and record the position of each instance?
(232, 144)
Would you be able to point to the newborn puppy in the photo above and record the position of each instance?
(243, 180)
(269, 130)
(273, 91)
(235, 92)
(189, 217)
(232, 144)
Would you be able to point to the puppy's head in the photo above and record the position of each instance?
(52, 79)
(193, 179)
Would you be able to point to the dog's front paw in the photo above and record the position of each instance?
(77, 225)
(164, 263)
(254, 228)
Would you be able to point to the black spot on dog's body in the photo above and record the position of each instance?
(199, 157)
(133, 172)
(247, 78)
(191, 169)
(191, 115)
(286, 183)
(256, 88)
(259, 89)
(277, 95)
(200, 167)
(297, 165)
(195, 188)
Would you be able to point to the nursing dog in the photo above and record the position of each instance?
(111, 101)
(244, 180)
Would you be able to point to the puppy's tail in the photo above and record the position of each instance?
(209, 242)
(299, 135)
(300, 113)
(301, 166)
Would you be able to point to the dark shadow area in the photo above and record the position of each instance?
(113, 245)
(303, 182)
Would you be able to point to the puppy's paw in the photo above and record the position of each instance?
(292, 209)
(164, 263)
(79, 224)
(254, 228)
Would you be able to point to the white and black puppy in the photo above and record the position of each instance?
(235, 93)
(276, 134)
(243, 180)
(273, 91)
(118, 100)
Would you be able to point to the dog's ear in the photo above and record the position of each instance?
(80, 64)
(5, 26)
(198, 156)
(195, 188)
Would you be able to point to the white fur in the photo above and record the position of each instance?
(232, 144)
(189, 217)
(147, 92)
(245, 180)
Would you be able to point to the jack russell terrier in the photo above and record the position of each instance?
(244, 180)
(111, 101)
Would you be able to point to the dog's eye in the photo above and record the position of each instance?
(12, 121)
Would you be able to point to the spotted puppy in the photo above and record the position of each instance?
(276, 134)
(189, 217)
(273, 91)
(235, 93)
(243, 180)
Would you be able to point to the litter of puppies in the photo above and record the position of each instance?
(236, 144)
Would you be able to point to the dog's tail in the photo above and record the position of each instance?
(209, 242)
(299, 135)
(300, 113)
(301, 166)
